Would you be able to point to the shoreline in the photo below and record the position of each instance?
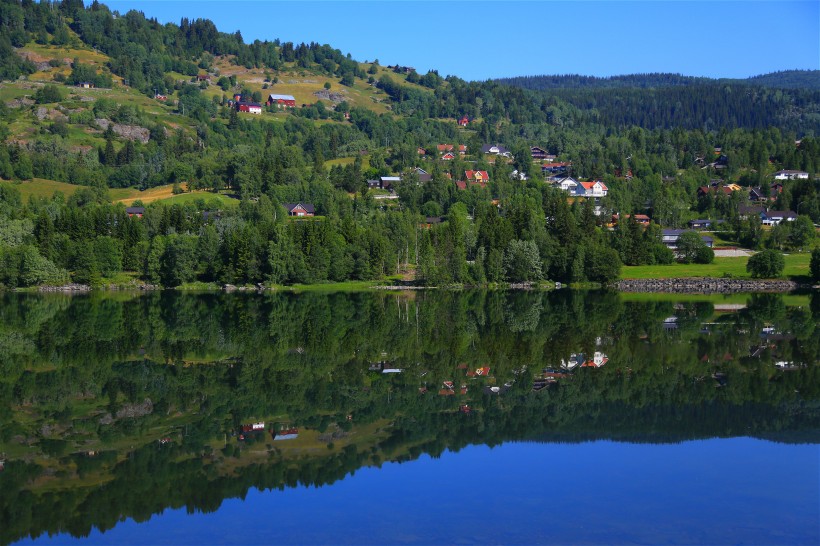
(684, 285)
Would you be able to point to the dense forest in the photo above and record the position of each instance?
(514, 228)
(78, 370)
(784, 79)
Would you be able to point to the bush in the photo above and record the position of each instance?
(47, 94)
(815, 265)
(766, 264)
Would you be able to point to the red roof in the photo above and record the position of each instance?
(588, 185)
(477, 175)
(444, 147)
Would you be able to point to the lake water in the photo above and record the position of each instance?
(409, 418)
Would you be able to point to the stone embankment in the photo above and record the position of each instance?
(65, 288)
(80, 288)
(707, 285)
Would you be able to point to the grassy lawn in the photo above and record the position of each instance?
(128, 196)
(39, 187)
(797, 265)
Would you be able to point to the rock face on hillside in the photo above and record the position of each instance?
(330, 95)
(706, 285)
(131, 132)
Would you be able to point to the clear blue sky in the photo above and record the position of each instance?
(477, 40)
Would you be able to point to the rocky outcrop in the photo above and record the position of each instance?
(706, 285)
(130, 132)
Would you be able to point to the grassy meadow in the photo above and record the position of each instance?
(797, 265)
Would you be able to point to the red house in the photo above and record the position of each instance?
(463, 122)
(282, 100)
(203, 77)
(477, 177)
(250, 107)
(300, 209)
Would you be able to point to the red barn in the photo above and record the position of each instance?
(283, 100)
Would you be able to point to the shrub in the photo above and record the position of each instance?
(766, 264)
(815, 265)
(47, 94)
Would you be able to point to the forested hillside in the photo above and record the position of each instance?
(784, 79)
(117, 110)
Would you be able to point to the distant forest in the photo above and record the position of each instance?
(784, 79)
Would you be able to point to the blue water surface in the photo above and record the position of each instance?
(719, 491)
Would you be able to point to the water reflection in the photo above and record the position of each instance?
(125, 405)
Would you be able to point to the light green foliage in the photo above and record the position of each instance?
(522, 262)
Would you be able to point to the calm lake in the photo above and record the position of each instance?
(427, 417)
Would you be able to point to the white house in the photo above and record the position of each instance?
(595, 188)
(568, 184)
(774, 217)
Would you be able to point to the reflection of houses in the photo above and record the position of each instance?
(670, 323)
(286, 434)
(598, 359)
(578, 360)
(245, 431)
(448, 388)
(575, 360)
(791, 175)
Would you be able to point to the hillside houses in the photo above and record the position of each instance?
(473, 178)
(495, 149)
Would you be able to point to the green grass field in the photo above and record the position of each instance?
(797, 265)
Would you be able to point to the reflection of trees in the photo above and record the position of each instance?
(211, 362)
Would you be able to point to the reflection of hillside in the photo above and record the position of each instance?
(132, 405)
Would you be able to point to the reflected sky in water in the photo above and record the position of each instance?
(722, 491)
